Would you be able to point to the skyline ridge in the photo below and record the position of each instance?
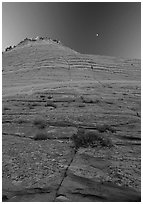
(76, 24)
(55, 41)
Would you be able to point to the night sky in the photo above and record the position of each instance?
(76, 25)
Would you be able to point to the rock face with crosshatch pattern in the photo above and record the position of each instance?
(70, 91)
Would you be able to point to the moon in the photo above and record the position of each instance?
(97, 34)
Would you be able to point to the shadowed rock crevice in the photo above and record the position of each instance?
(65, 175)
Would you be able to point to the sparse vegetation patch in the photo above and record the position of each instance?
(50, 104)
(30, 106)
(42, 96)
(90, 139)
(40, 123)
(41, 133)
(6, 108)
(81, 105)
(49, 97)
(40, 136)
(105, 128)
(89, 100)
(20, 121)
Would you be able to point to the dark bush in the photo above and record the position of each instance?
(81, 105)
(30, 106)
(8, 48)
(50, 104)
(55, 40)
(20, 121)
(40, 123)
(90, 139)
(89, 100)
(41, 38)
(6, 108)
(40, 136)
(42, 96)
(109, 102)
(34, 104)
(50, 97)
(105, 128)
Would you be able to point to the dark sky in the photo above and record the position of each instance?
(76, 24)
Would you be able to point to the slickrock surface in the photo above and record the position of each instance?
(67, 91)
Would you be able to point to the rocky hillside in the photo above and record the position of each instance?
(71, 125)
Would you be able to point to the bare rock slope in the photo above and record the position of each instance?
(71, 125)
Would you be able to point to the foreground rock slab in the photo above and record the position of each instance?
(36, 168)
(66, 91)
(89, 179)
(80, 189)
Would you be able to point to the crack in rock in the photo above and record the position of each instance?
(64, 176)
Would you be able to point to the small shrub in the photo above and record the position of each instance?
(97, 101)
(105, 128)
(91, 138)
(50, 97)
(50, 104)
(81, 105)
(87, 100)
(41, 124)
(6, 108)
(40, 136)
(30, 106)
(43, 99)
(34, 104)
(20, 121)
(109, 102)
(42, 96)
(8, 48)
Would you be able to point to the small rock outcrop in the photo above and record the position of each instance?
(8, 48)
(33, 39)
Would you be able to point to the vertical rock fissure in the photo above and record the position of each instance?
(65, 173)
